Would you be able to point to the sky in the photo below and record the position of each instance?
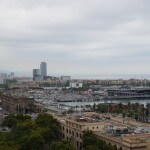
(75, 37)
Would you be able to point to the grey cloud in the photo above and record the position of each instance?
(81, 36)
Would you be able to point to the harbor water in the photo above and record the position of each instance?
(80, 104)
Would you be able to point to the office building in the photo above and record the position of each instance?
(65, 78)
(36, 74)
(2, 80)
(12, 75)
(3, 75)
(43, 68)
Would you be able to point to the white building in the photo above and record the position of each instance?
(2, 80)
(76, 85)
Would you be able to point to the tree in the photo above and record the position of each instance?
(8, 147)
(47, 134)
(91, 142)
(49, 123)
(136, 116)
(6, 144)
(21, 117)
(12, 120)
(34, 142)
(9, 121)
(70, 111)
(94, 107)
(123, 115)
(129, 105)
(88, 139)
(46, 120)
(63, 145)
(27, 134)
(103, 108)
(91, 148)
(120, 106)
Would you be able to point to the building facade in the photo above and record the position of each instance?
(23, 85)
(43, 68)
(36, 74)
(17, 105)
(72, 130)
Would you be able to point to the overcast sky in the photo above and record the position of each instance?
(81, 37)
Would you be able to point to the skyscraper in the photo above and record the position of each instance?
(43, 68)
(36, 73)
(12, 75)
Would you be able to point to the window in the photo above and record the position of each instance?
(80, 146)
(97, 127)
(67, 130)
(77, 144)
(93, 127)
(77, 134)
(72, 133)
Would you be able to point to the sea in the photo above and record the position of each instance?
(113, 77)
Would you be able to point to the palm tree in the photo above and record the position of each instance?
(136, 116)
(123, 115)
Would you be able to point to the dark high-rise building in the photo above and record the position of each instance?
(36, 73)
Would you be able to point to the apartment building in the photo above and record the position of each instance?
(72, 129)
(127, 142)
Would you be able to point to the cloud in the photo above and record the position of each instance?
(84, 36)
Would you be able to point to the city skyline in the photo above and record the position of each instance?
(37, 71)
(101, 37)
(41, 71)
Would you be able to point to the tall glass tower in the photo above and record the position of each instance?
(43, 68)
